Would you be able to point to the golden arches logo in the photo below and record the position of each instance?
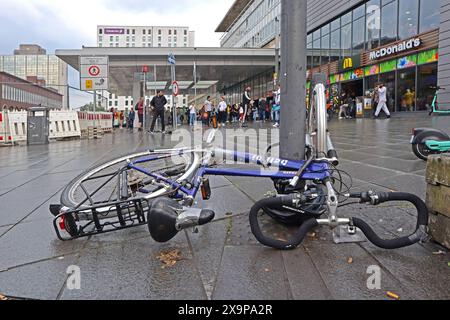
(348, 63)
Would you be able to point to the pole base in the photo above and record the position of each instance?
(345, 234)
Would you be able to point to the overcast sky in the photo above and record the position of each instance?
(69, 24)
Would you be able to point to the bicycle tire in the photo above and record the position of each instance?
(67, 199)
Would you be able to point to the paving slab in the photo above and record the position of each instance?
(42, 280)
(252, 273)
(132, 271)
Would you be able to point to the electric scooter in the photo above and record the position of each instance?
(428, 141)
(435, 106)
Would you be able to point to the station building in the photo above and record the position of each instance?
(402, 43)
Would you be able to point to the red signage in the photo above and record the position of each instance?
(94, 71)
(145, 69)
(175, 89)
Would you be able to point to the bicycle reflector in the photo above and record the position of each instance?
(206, 189)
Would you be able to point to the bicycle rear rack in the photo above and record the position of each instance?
(126, 214)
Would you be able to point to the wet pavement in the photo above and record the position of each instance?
(223, 260)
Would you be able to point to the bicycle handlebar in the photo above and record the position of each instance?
(420, 233)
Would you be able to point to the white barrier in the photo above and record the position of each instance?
(99, 119)
(17, 121)
(64, 124)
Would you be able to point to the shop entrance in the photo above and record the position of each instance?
(354, 89)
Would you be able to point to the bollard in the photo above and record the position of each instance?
(438, 198)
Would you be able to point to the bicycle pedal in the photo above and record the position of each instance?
(345, 234)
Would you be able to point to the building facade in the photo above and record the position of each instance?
(401, 43)
(32, 62)
(17, 93)
(143, 37)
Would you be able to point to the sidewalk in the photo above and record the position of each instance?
(222, 261)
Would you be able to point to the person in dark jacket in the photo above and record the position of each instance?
(158, 104)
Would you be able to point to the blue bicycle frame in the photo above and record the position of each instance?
(287, 169)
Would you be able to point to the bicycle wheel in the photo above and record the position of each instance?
(114, 181)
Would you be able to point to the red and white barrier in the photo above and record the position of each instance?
(64, 124)
(99, 119)
(17, 123)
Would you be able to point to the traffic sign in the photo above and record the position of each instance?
(94, 73)
(175, 89)
(171, 59)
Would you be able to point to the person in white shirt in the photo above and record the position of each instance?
(382, 100)
(192, 115)
(222, 111)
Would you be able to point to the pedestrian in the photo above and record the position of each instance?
(375, 98)
(222, 111)
(277, 107)
(254, 105)
(140, 110)
(241, 114)
(158, 105)
(382, 105)
(208, 109)
(192, 115)
(262, 109)
(131, 118)
(246, 103)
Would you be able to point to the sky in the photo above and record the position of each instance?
(69, 24)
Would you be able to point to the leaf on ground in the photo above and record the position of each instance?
(3, 298)
(169, 258)
(267, 270)
(350, 260)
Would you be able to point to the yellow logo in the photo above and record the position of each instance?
(89, 84)
(348, 63)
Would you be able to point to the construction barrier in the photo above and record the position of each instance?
(64, 124)
(17, 123)
(4, 131)
(99, 119)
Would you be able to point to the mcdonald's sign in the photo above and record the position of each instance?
(350, 63)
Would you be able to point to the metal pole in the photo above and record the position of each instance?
(293, 79)
(195, 84)
(174, 111)
(277, 53)
(95, 106)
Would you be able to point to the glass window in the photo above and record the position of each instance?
(389, 23)
(427, 77)
(316, 35)
(346, 40)
(325, 49)
(359, 12)
(406, 90)
(359, 35)
(373, 24)
(347, 18)
(430, 15)
(325, 29)
(336, 24)
(408, 18)
(335, 45)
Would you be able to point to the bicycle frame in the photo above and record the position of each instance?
(287, 169)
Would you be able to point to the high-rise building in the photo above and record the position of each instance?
(147, 36)
(143, 37)
(30, 62)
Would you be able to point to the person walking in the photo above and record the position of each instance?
(158, 105)
(382, 104)
(192, 115)
(222, 111)
(262, 109)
